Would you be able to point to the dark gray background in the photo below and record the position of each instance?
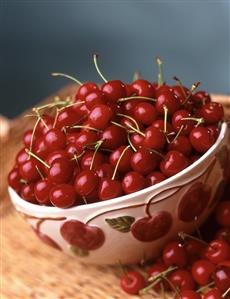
(39, 37)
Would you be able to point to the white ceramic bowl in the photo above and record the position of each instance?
(135, 226)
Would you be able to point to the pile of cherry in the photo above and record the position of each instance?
(189, 267)
(113, 140)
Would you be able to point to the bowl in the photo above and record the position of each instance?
(134, 227)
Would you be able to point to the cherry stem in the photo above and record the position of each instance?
(205, 287)
(95, 57)
(130, 142)
(136, 130)
(118, 125)
(135, 98)
(198, 120)
(68, 77)
(131, 118)
(226, 292)
(84, 199)
(194, 87)
(36, 157)
(181, 86)
(177, 291)
(97, 147)
(136, 75)
(146, 290)
(178, 133)
(156, 152)
(40, 173)
(165, 118)
(55, 118)
(160, 76)
(76, 157)
(185, 236)
(33, 133)
(85, 127)
(23, 181)
(118, 161)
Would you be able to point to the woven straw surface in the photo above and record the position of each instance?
(30, 269)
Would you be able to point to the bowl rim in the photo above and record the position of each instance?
(121, 199)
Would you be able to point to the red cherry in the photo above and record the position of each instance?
(143, 88)
(202, 271)
(155, 177)
(217, 251)
(28, 171)
(189, 294)
(109, 189)
(129, 90)
(222, 214)
(104, 171)
(174, 254)
(181, 92)
(194, 202)
(214, 130)
(148, 229)
(41, 191)
(56, 155)
(60, 171)
(132, 282)
(44, 124)
(223, 234)
(27, 138)
(85, 89)
(201, 139)
(178, 122)
(169, 100)
(145, 113)
(212, 112)
(82, 235)
(137, 140)
(201, 98)
(91, 158)
(80, 110)
(22, 156)
(173, 163)
(113, 137)
(55, 139)
(40, 149)
(71, 137)
(86, 182)
(154, 138)
(63, 196)
(143, 161)
(124, 164)
(132, 182)
(129, 106)
(27, 193)
(221, 277)
(100, 116)
(154, 271)
(182, 279)
(181, 144)
(159, 124)
(67, 117)
(94, 98)
(85, 138)
(14, 180)
(114, 90)
(194, 249)
(213, 294)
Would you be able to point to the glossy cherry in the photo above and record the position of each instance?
(132, 282)
(154, 138)
(202, 271)
(136, 140)
(143, 88)
(213, 294)
(27, 138)
(217, 251)
(212, 112)
(14, 180)
(155, 177)
(85, 138)
(132, 182)
(104, 171)
(145, 113)
(173, 163)
(160, 124)
(174, 254)
(27, 193)
(28, 171)
(194, 249)
(109, 189)
(100, 116)
(168, 99)
(189, 294)
(114, 90)
(94, 98)
(113, 137)
(178, 121)
(60, 171)
(200, 98)
(182, 279)
(86, 182)
(55, 139)
(90, 160)
(45, 124)
(223, 234)
(154, 271)
(201, 139)
(124, 164)
(41, 191)
(22, 156)
(143, 161)
(63, 196)
(221, 277)
(181, 144)
(67, 117)
(85, 89)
